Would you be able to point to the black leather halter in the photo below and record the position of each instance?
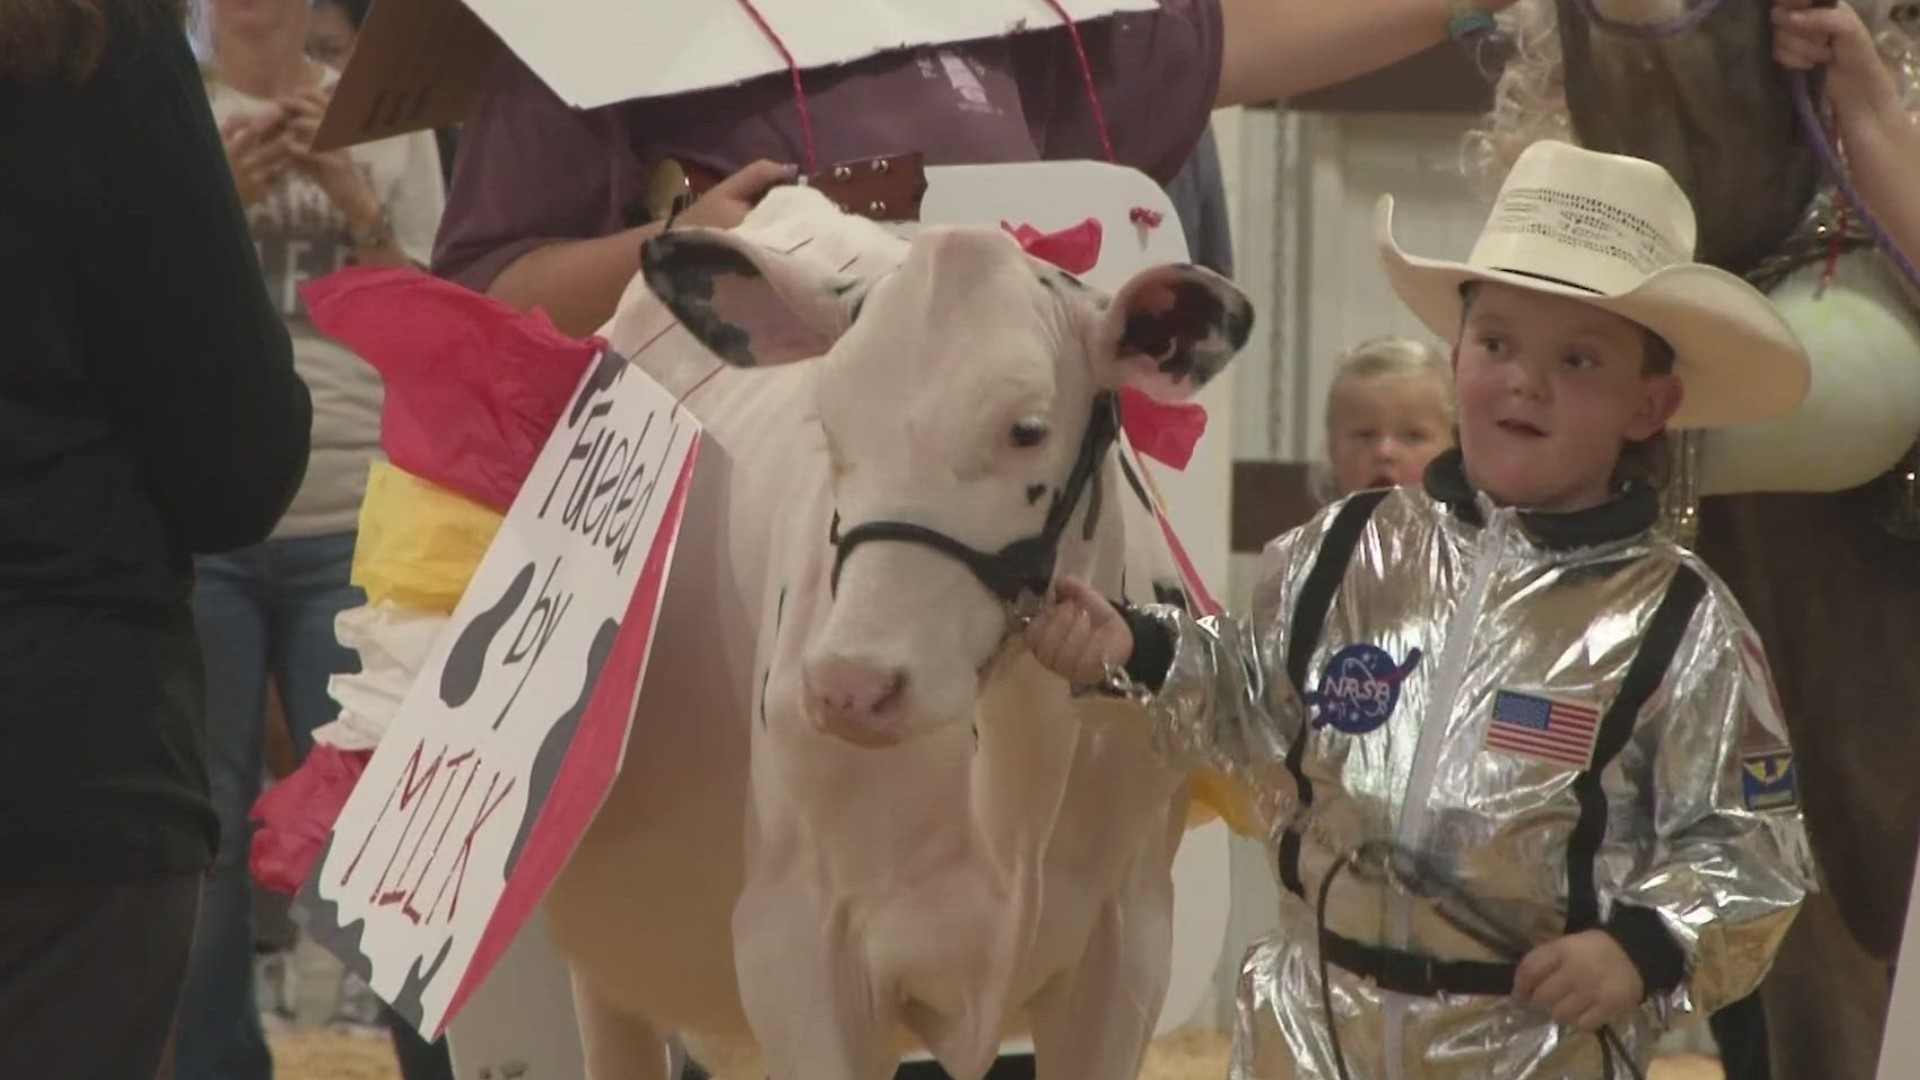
(1023, 568)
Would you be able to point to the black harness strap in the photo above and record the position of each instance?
(1303, 636)
(1644, 676)
(1024, 567)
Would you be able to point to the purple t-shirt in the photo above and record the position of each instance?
(533, 171)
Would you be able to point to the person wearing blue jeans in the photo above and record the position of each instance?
(267, 611)
(262, 612)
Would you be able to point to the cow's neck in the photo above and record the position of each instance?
(1027, 724)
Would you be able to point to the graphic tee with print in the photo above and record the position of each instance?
(300, 236)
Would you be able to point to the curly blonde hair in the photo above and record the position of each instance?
(1530, 98)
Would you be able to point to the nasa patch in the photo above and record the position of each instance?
(1767, 781)
(1359, 688)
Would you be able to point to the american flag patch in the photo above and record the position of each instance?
(1543, 728)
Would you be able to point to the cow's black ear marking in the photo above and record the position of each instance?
(685, 272)
(1183, 325)
(1183, 336)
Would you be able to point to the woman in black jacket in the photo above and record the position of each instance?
(149, 411)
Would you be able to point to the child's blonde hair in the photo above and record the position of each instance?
(1377, 358)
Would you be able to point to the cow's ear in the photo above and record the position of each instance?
(752, 307)
(1170, 329)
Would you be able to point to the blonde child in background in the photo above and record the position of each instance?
(1389, 413)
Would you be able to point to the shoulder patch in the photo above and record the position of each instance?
(1767, 781)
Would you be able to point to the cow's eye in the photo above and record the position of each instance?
(1029, 433)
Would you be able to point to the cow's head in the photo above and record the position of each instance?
(954, 392)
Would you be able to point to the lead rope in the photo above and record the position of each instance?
(793, 70)
(1499, 937)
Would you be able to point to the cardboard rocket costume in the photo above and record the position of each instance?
(1553, 722)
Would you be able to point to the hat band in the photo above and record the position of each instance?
(1548, 278)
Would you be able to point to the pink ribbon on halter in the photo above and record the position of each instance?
(1161, 430)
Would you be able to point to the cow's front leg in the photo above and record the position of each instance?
(619, 1045)
(807, 991)
(1093, 1022)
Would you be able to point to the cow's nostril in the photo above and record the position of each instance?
(852, 687)
(890, 697)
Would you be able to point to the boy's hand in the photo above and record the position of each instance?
(1805, 37)
(1078, 634)
(1584, 980)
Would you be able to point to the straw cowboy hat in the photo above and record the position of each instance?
(1618, 233)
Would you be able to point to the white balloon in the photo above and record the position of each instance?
(1863, 410)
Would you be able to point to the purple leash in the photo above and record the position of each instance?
(1823, 146)
(1830, 159)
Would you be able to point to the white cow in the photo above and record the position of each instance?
(854, 814)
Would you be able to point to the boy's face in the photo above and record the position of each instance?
(1384, 430)
(1549, 389)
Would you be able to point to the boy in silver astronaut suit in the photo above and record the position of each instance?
(1518, 754)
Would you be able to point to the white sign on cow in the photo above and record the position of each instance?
(451, 836)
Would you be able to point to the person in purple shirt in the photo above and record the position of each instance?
(545, 204)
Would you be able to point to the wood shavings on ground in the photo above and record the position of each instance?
(1182, 1055)
(329, 1055)
(1202, 1055)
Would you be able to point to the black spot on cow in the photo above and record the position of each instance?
(684, 271)
(559, 739)
(779, 616)
(1195, 337)
(467, 660)
(1061, 281)
(1166, 592)
(1035, 493)
(1133, 481)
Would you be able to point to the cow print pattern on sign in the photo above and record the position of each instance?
(559, 738)
(467, 660)
(1195, 335)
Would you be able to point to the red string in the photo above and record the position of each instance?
(1079, 52)
(690, 391)
(1086, 75)
(793, 69)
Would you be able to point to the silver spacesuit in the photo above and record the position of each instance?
(1474, 697)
